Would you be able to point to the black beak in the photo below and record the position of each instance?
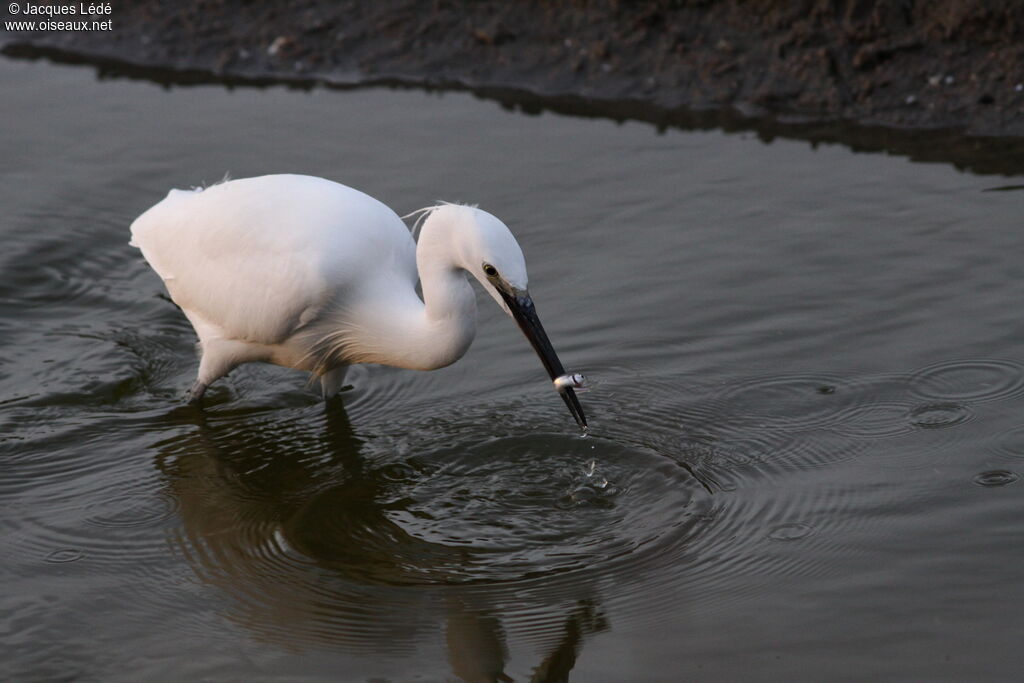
(525, 314)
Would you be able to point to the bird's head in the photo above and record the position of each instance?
(485, 247)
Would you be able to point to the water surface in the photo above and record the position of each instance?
(806, 436)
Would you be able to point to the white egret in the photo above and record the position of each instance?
(310, 274)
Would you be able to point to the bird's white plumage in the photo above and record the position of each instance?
(311, 274)
(239, 257)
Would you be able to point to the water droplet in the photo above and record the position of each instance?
(65, 555)
(994, 478)
(596, 480)
(790, 532)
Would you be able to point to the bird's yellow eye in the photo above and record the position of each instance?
(490, 270)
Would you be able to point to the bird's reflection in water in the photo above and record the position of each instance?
(476, 645)
(296, 526)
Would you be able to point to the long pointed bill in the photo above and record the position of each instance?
(525, 315)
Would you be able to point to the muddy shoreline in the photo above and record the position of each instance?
(818, 65)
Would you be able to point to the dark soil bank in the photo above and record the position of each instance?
(902, 63)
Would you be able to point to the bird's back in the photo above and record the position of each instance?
(260, 257)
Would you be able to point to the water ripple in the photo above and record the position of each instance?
(939, 415)
(880, 419)
(320, 535)
(64, 555)
(798, 401)
(973, 380)
(1009, 443)
(995, 478)
(129, 509)
(790, 532)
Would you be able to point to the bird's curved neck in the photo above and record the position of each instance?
(406, 332)
(449, 303)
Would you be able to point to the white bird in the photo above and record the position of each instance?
(310, 274)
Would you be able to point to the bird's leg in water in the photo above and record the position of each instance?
(195, 393)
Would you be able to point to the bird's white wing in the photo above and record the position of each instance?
(258, 258)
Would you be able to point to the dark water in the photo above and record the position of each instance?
(807, 414)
